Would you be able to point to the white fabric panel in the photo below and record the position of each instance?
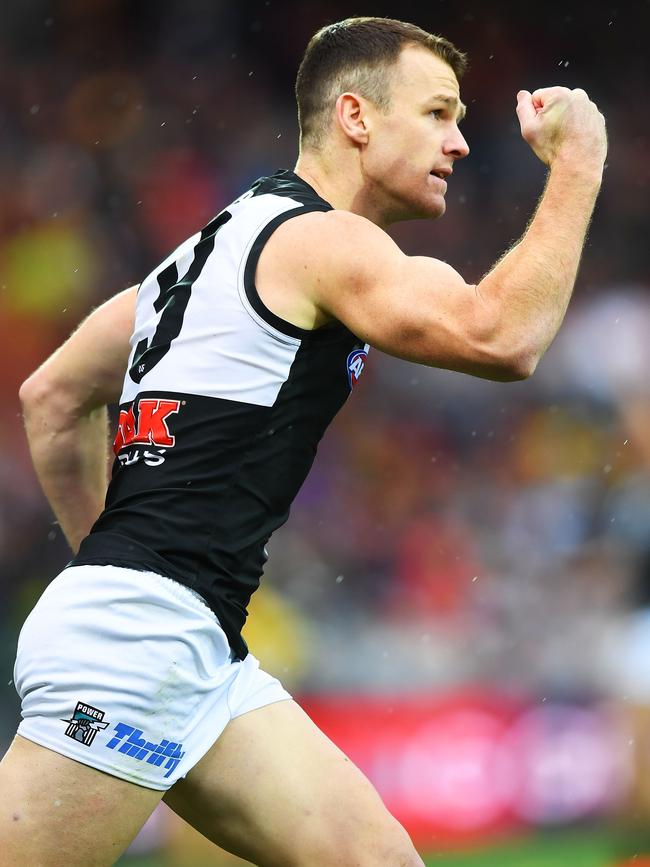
(224, 348)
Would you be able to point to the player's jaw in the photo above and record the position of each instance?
(411, 189)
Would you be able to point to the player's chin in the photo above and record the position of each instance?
(432, 208)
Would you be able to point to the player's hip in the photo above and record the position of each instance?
(130, 672)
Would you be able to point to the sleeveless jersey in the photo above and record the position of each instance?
(222, 409)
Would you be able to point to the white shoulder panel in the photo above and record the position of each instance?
(224, 349)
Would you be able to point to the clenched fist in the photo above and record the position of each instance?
(564, 124)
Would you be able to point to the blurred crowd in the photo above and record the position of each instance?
(452, 530)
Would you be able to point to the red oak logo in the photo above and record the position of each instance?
(149, 427)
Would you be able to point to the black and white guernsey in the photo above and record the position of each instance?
(222, 409)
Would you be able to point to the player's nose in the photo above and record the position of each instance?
(456, 145)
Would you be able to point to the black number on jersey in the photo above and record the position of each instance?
(172, 300)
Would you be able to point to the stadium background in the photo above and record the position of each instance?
(462, 594)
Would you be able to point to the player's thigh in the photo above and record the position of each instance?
(276, 791)
(55, 812)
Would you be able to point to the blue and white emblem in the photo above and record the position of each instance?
(356, 362)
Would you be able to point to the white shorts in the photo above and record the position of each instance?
(130, 673)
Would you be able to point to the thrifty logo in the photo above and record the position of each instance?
(131, 742)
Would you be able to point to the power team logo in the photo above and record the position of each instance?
(144, 423)
(84, 723)
(356, 363)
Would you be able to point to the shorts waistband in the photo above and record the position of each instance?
(181, 591)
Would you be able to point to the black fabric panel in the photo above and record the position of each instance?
(287, 183)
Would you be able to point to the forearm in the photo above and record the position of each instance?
(529, 289)
(64, 404)
(70, 454)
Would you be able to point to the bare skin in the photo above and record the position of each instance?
(45, 797)
(294, 799)
(254, 795)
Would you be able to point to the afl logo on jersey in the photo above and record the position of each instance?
(356, 362)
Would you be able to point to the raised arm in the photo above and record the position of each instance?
(419, 308)
(64, 405)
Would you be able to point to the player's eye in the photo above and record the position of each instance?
(438, 113)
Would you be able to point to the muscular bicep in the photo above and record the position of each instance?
(87, 371)
(416, 308)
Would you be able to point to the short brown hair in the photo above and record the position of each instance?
(356, 55)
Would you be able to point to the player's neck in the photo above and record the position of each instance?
(339, 184)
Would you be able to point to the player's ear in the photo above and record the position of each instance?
(352, 118)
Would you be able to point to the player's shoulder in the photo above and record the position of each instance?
(334, 224)
(341, 242)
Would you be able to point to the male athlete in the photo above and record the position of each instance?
(245, 342)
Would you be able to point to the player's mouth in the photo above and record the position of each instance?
(440, 176)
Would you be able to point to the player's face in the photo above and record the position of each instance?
(417, 139)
